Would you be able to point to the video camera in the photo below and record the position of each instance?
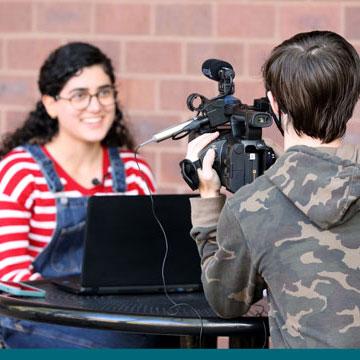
(241, 154)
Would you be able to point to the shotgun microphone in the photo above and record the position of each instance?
(216, 69)
(182, 128)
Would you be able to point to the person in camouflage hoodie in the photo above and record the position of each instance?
(296, 229)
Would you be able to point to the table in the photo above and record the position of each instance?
(192, 318)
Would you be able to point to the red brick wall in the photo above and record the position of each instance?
(157, 47)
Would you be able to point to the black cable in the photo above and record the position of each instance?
(265, 334)
(174, 303)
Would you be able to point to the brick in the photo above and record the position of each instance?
(64, 17)
(183, 20)
(169, 167)
(247, 91)
(173, 93)
(183, 188)
(111, 49)
(300, 18)
(352, 21)
(257, 55)
(357, 48)
(29, 54)
(2, 115)
(223, 342)
(15, 16)
(151, 158)
(124, 19)
(180, 187)
(168, 190)
(18, 90)
(246, 21)
(144, 127)
(1, 53)
(166, 170)
(13, 120)
(137, 94)
(153, 57)
(197, 53)
(152, 155)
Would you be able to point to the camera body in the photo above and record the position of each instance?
(240, 153)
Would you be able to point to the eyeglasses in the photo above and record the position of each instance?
(81, 99)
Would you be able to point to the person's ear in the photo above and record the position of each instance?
(273, 103)
(50, 105)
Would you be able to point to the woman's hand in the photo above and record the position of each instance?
(209, 180)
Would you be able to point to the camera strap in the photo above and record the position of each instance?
(277, 121)
(189, 172)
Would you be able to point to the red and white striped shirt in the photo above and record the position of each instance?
(28, 211)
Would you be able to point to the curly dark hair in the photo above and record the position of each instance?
(62, 64)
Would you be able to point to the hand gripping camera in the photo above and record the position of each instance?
(241, 154)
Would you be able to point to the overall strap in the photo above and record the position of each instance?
(117, 170)
(46, 166)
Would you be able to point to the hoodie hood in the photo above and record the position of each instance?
(323, 184)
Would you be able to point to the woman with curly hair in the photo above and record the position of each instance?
(73, 145)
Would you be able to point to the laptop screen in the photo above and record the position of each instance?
(125, 246)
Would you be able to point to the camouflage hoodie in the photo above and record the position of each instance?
(296, 231)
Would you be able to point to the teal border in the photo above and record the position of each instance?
(181, 354)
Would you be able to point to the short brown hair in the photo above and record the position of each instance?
(315, 79)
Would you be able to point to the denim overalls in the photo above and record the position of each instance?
(61, 257)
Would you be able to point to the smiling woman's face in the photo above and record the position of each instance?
(92, 123)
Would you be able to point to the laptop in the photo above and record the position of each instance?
(125, 247)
